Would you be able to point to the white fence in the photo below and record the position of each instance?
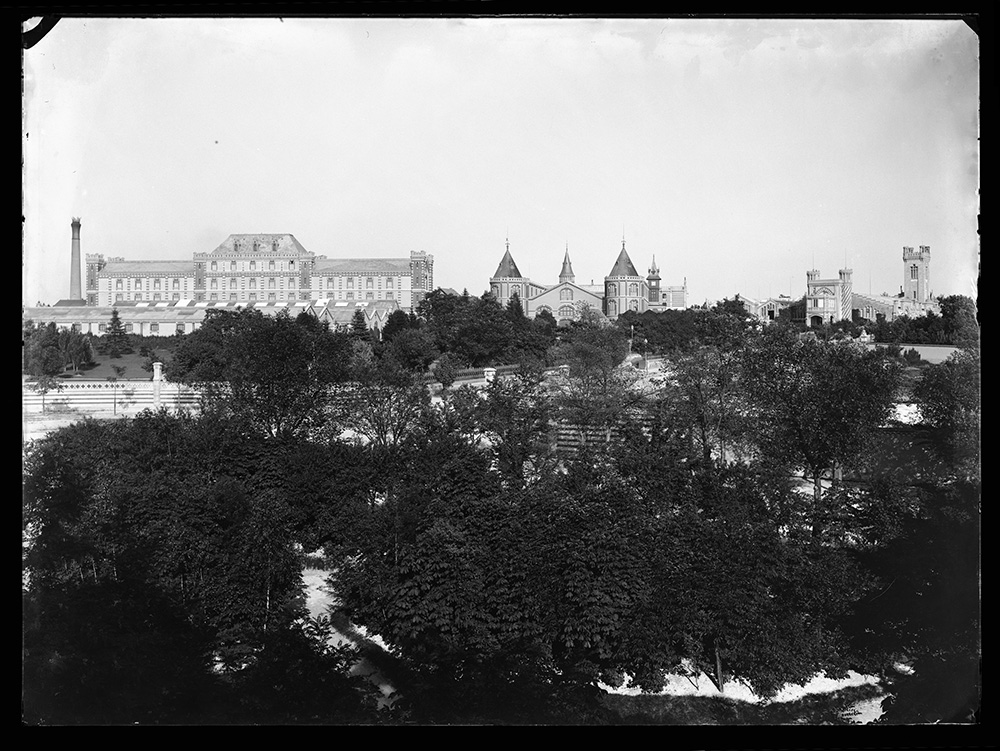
(106, 397)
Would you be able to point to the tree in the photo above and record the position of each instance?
(817, 406)
(116, 341)
(359, 325)
(273, 372)
(959, 317)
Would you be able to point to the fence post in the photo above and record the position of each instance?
(157, 380)
(489, 374)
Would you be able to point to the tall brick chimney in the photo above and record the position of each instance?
(75, 292)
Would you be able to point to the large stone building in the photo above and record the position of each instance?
(266, 268)
(623, 289)
(832, 300)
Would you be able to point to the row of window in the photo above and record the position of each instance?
(633, 289)
(214, 266)
(137, 283)
(154, 328)
(369, 283)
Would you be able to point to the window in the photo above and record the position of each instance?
(118, 297)
(253, 265)
(515, 289)
(291, 265)
(914, 272)
(180, 328)
(232, 284)
(154, 328)
(368, 282)
(118, 283)
(329, 295)
(350, 295)
(138, 295)
(270, 283)
(566, 294)
(177, 283)
(291, 282)
(369, 295)
(270, 264)
(176, 296)
(350, 283)
(566, 311)
(496, 291)
(232, 265)
(215, 266)
(271, 296)
(612, 290)
(156, 296)
(102, 327)
(214, 296)
(214, 284)
(634, 305)
(329, 281)
(253, 295)
(156, 284)
(388, 295)
(388, 282)
(77, 327)
(232, 295)
(253, 284)
(633, 289)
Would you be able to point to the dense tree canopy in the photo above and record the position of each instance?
(508, 566)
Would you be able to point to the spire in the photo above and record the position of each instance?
(507, 268)
(623, 266)
(567, 275)
(654, 272)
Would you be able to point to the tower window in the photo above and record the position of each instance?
(914, 272)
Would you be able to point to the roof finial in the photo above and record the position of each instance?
(623, 236)
(507, 235)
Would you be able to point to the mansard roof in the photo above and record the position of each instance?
(362, 266)
(165, 268)
(507, 268)
(623, 266)
(265, 244)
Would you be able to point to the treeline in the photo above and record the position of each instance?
(744, 515)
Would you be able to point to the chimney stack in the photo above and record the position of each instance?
(75, 292)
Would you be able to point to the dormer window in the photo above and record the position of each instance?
(274, 247)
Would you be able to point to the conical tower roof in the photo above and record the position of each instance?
(623, 266)
(566, 275)
(507, 267)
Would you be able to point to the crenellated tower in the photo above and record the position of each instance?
(917, 273)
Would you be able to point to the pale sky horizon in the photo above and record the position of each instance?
(741, 153)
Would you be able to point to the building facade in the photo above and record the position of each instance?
(832, 300)
(623, 289)
(264, 268)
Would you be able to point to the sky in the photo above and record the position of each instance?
(739, 153)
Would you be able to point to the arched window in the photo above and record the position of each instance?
(496, 290)
(215, 266)
(914, 272)
(633, 289)
(612, 308)
(515, 289)
(634, 305)
(612, 290)
(566, 311)
(565, 294)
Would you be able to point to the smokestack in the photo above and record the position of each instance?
(75, 293)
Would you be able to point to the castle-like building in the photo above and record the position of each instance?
(832, 300)
(623, 289)
(259, 268)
